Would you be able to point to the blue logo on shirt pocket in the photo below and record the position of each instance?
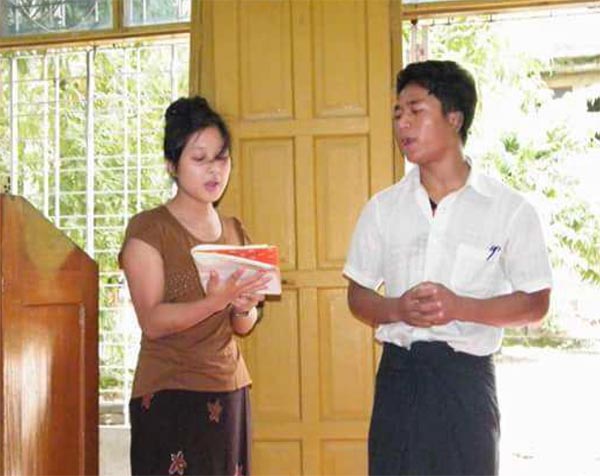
(493, 250)
(475, 270)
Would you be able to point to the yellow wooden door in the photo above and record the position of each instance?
(306, 87)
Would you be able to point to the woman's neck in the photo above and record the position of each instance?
(185, 206)
(199, 218)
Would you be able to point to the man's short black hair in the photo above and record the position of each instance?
(449, 82)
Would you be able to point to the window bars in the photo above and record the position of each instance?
(81, 138)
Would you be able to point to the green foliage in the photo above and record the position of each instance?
(162, 11)
(132, 88)
(546, 339)
(526, 137)
(30, 17)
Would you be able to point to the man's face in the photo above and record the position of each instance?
(422, 131)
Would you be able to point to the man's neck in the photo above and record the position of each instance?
(444, 177)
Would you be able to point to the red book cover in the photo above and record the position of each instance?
(226, 259)
(264, 254)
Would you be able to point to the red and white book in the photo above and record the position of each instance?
(226, 259)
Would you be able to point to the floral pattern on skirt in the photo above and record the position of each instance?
(183, 432)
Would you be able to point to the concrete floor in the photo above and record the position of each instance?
(550, 405)
(114, 451)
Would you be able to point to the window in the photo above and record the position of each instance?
(416, 2)
(81, 134)
(81, 138)
(150, 12)
(26, 22)
(23, 17)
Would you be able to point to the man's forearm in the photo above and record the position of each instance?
(512, 310)
(368, 306)
(430, 304)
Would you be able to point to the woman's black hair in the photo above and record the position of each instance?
(186, 116)
(449, 82)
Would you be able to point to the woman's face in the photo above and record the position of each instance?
(204, 167)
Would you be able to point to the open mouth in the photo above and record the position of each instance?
(407, 142)
(212, 185)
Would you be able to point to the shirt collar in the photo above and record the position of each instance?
(475, 180)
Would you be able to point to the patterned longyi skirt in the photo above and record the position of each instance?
(183, 432)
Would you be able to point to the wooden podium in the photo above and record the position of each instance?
(48, 347)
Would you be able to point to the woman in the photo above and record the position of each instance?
(189, 408)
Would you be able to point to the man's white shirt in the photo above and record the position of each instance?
(484, 240)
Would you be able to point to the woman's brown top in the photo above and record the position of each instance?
(205, 357)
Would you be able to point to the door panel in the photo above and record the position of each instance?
(268, 178)
(273, 354)
(271, 456)
(340, 70)
(342, 177)
(345, 360)
(266, 59)
(307, 89)
(51, 360)
(344, 458)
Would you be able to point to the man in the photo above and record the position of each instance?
(461, 256)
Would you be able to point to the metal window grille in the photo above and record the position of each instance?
(81, 138)
(152, 12)
(23, 17)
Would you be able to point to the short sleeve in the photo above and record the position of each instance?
(364, 263)
(525, 259)
(142, 227)
(241, 231)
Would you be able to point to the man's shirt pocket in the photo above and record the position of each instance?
(476, 271)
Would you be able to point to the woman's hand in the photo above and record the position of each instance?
(245, 302)
(244, 313)
(237, 290)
